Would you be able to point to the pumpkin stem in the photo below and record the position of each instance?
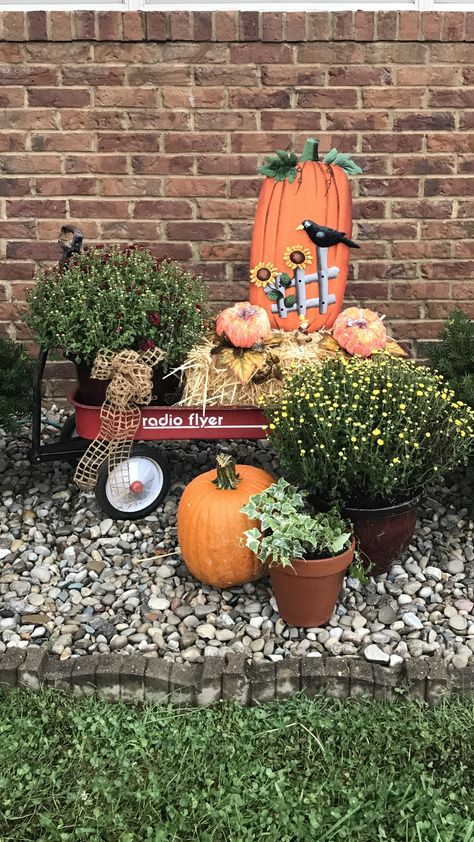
(227, 477)
(310, 151)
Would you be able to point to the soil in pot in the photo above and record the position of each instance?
(307, 592)
(383, 534)
(92, 391)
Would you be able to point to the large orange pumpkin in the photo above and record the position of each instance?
(244, 324)
(211, 526)
(311, 189)
(360, 331)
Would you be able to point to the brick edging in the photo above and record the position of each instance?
(454, 26)
(135, 678)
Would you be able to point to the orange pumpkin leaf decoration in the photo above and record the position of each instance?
(291, 192)
(244, 324)
(211, 526)
(360, 331)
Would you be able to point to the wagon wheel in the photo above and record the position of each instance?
(149, 483)
(68, 432)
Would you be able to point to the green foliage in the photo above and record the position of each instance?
(368, 431)
(281, 167)
(83, 770)
(16, 379)
(454, 355)
(287, 531)
(342, 160)
(117, 299)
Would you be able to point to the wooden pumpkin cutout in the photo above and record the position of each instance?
(292, 192)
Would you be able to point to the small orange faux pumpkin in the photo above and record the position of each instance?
(360, 331)
(211, 526)
(244, 324)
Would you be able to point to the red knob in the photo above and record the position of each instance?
(136, 486)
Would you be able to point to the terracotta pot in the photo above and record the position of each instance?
(92, 391)
(307, 592)
(383, 533)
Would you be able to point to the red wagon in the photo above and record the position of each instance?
(148, 471)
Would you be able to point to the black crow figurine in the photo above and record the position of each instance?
(325, 237)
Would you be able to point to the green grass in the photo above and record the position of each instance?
(299, 770)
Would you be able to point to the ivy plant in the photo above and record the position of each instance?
(286, 529)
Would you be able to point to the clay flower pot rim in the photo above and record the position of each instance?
(383, 511)
(317, 566)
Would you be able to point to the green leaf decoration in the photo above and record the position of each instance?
(274, 294)
(290, 301)
(292, 175)
(343, 160)
(285, 280)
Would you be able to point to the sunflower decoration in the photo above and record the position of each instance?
(297, 257)
(263, 274)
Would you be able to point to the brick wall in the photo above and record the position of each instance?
(150, 127)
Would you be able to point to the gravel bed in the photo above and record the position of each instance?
(76, 582)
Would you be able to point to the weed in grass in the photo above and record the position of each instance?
(297, 771)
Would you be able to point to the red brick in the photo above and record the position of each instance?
(385, 270)
(227, 164)
(48, 229)
(409, 26)
(387, 230)
(130, 142)
(92, 75)
(65, 186)
(331, 54)
(449, 186)
(411, 250)
(455, 229)
(62, 142)
(360, 75)
(260, 142)
(392, 143)
(374, 290)
(343, 26)
(364, 25)
(383, 52)
(59, 26)
(412, 122)
(100, 208)
(419, 290)
(14, 26)
(454, 269)
(30, 163)
(226, 76)
(109, 26)
(392, 97)
(163, 209)
(133, 26)
(163, 164)
(386, 29)
(18, 230)
(93, 120)
(50, 53)
(354, 120)
(272, 27)
(202, 26)
(244, 187)
(163, 74)
(16, 271)
(421, 209)
(389, 187)
(14, 186)
(158, 120)
(195, 186)
(181, 28)
(29, 119)
(156, 26)
(417, 329)
(258, 98)
(58, 97)
(33, 250)
(295, 28)
(12, 141)
(319, 26)
(195, 231)
(466, 209)
(135, 54)
(454, 142)
(443, 309)
(309, 121)
(27, 75)
(451, 53)
(11, 97)
(285, 75)
(424, 165)
(261, 54)
(84, 26)
(36, 26)
(225, 24)
(128, 230)
(328, 98)
(454, 26)
(126, 97)
(195, 53)
(95, 163)
(225, 209)
(36, 208)
(431, 25)
(196, 142)
(10, 54)
(462, 249)
(457, 98)
(462, 291)
(399, 310)
(248, 26)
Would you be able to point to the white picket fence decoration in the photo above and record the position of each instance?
(303, 303)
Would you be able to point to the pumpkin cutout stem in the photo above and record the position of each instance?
(227, 477)
(310, 150)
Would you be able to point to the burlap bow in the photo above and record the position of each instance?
(131, 384)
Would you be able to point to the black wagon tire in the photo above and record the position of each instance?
(148, 468)
(68, 432)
